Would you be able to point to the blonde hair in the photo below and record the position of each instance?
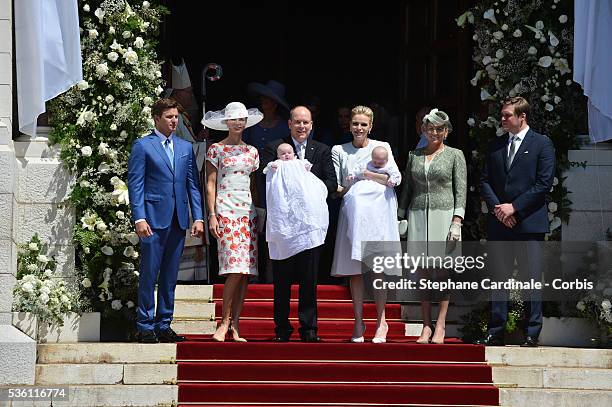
(520, 105)
(364, 110)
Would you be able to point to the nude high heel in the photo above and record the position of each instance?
(235, 336)
(423, 339)
(220, 333)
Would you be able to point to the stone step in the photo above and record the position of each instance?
(105, 373)
(554, 397)
(202, 293)
(191, 309)
(115, 352)
(193, 326)
(116, 395)
(553, 377)
(549, 356)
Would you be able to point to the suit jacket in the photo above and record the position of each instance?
(524, 184)
(156, 189)
(316, 152)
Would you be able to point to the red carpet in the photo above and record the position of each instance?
(330, 373)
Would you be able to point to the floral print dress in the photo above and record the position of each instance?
(237, 245)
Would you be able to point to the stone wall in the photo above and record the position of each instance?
(591, 193)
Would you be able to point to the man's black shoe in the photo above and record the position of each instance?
(169, 336)
(311, 338)
(147, 337)
(279, 338)
(530, 342)
(490, 340)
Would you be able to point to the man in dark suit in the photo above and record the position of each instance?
(518, 172)
(303, 266)
(162, 179)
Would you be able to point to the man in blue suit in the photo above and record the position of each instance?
(162, 180)
(518, 172)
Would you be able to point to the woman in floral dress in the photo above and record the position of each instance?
(232, 220)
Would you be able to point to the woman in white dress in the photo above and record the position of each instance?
(232, 219)
(347, 157)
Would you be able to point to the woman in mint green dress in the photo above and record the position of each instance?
(433, 200)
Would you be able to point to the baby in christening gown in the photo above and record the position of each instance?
(297, 215)
(371, 207)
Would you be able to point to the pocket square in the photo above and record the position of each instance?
(526, 152)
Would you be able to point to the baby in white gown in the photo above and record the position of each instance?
(379, 164)
(297, 215)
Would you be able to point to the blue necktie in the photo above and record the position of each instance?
(169, 152)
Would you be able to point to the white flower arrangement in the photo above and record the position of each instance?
(95, 125)
(38, 290)
(522, 49)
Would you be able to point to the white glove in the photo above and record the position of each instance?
(402, 226)
(454, 233)
(261, 219)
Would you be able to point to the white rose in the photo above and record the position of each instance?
(107, 250)
(132, 238)
(126, 85)
(555, 181)
(113, 127)
(87, 250)
(548, 107)
(111, 30)
(33, 246)
(129, 304)
(129, 251)
(120, 75)
(100, 14)
(563, 19)
(120, 215)
(504, 27)
(116, 305)
(146, 4)
(556, 222)
(471, 122)
(539, 25)
(545, 61)
(158, 90)
(27, 287)
(486, 60)
(92, 33)
(32, 268)
(499, 54)
(45, 290)
(146, 111)
(101, 226)
(86, 151)
(126, 34)
(147, 101)
(544, 98)
(557, 99)
(606, 305)
(86, 282)
(483, 207)
(109, 99)
(490, 15)
(104, 168)
(103, 148)
(44, 298)
(102, 69)
(86, 8)
(532, 50)
(485, 95)
(552, 206)
(64, 298)
(554, 41)
(82, 85)
(498, 35)
(130, 56)
(517, 33)
(139, 42)
(123, 134)
(42, 258)
(112, 56)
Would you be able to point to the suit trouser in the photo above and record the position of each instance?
(526, 250)
(159, 263)
(303, 267)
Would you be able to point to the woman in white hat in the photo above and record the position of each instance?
(232, 219)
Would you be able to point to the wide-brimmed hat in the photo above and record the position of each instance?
(272, 89)
(235, 110)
